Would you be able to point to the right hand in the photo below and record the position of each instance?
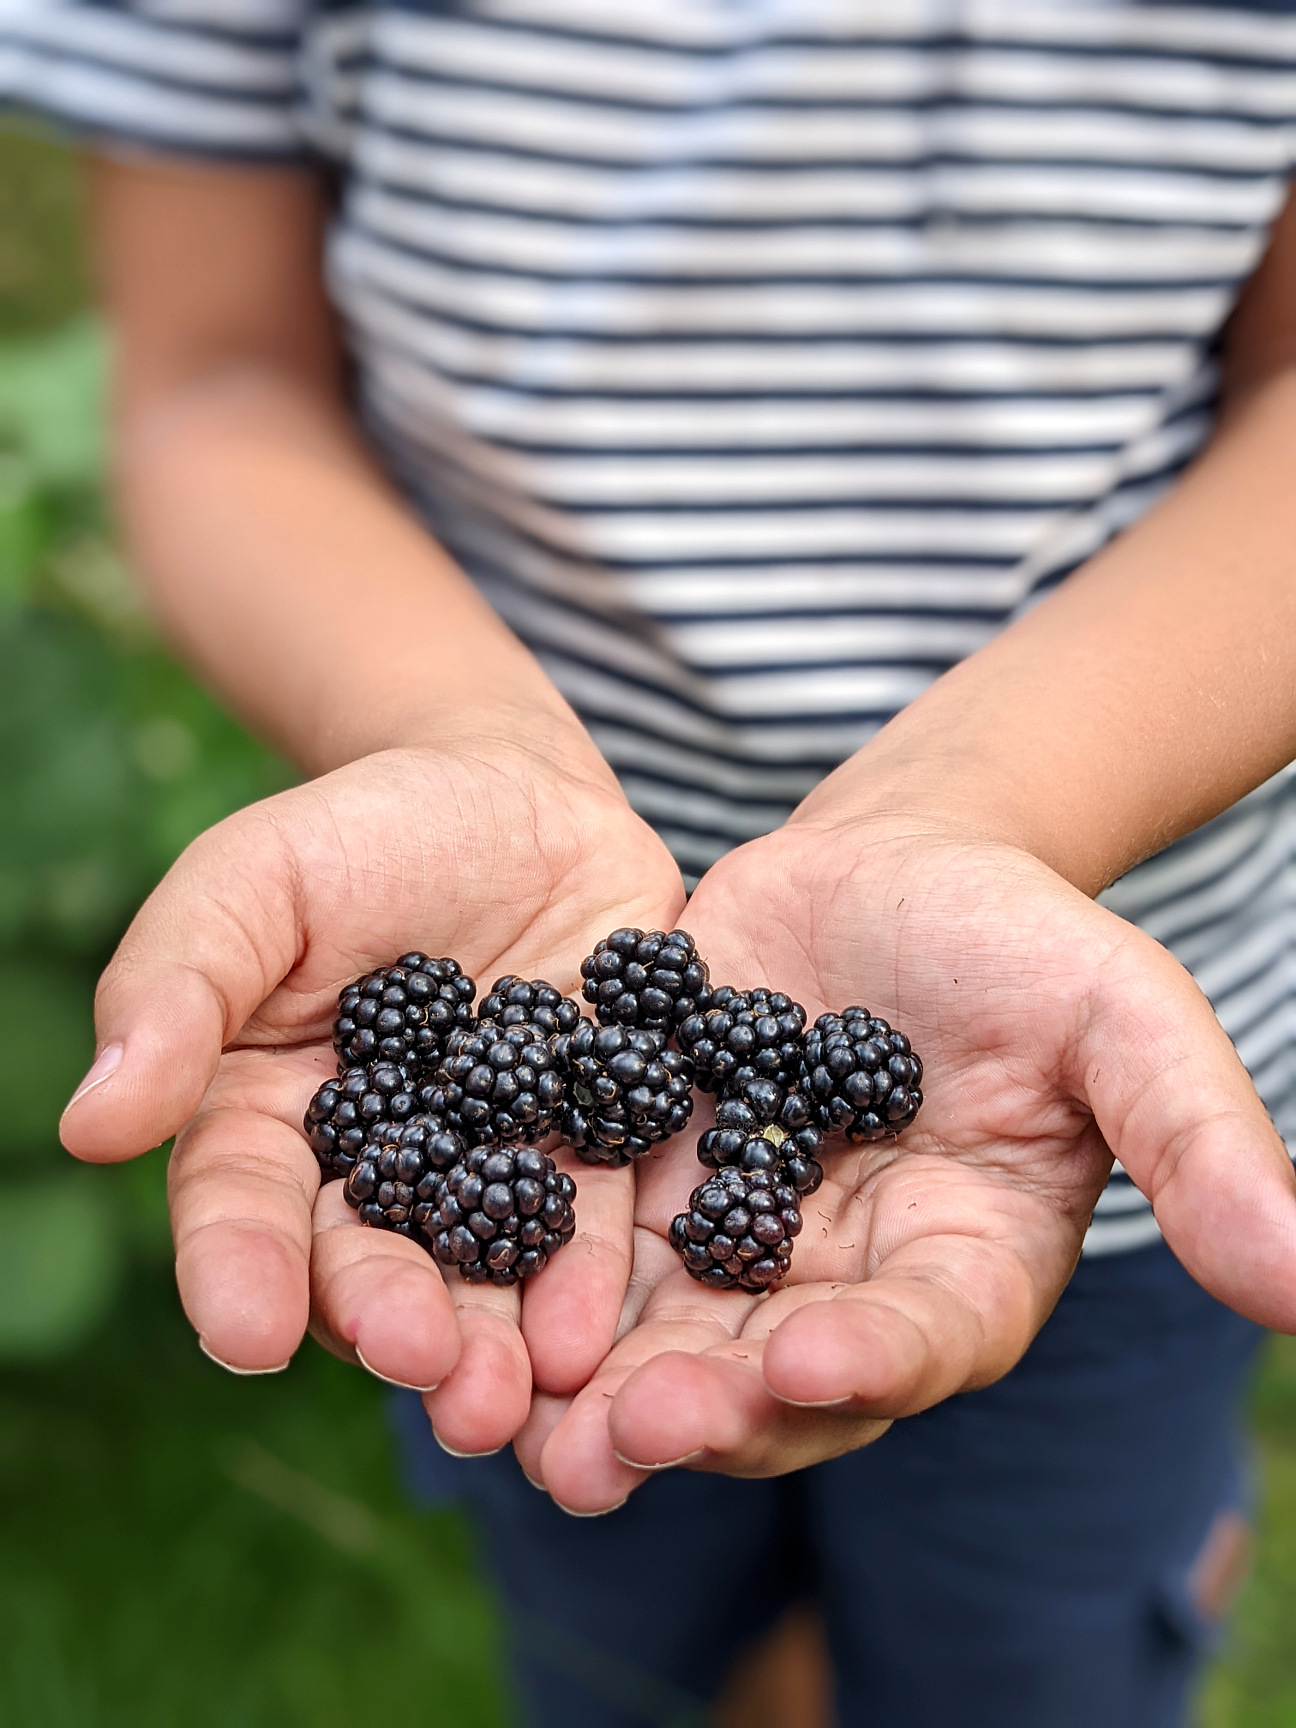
(510, 848)
(1055, 1035)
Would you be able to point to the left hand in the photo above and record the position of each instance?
(1054, 1035)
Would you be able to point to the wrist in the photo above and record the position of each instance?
(924, 787)
(527, 742)
(498, 711)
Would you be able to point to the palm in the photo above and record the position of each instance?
(925, 1265)
(985, 970)
(495, 857)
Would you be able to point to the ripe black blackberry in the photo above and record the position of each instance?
(502, 1213)
(797, 1155)
(342, 1115)
(740, 1224)
(861, 1077)
(650, 979)
(625, 1091)
(744, 1035)
(403, 1013)
(393, 1184)
(513, 1000)
(498, 1083)
(758, 1106)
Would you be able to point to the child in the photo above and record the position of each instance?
(843, 454)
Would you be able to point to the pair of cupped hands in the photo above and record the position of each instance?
(1054, 1036)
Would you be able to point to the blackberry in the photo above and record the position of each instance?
(342, 1115)
(649, 979)
(735, 1127)
(502, 1212)
(758, 1106)
(768, 1148)
(861, 1077)
(393, 1185)
(403, 1013)
(625, 1091)
(498, 1083)
(744, 1035)
(513, 1000)
(740, 1224)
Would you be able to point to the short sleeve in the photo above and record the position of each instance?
(207, 77)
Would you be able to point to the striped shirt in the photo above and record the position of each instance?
(762, 358)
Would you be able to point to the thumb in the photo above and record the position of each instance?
(1179, 1111)
(206, 948)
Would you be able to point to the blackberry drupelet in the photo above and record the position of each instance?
(625, 1091)
(513, 1000)
(502, 1213)
(744, 1035)
(498, 1083)
(393, 1185)
(403, 1013)
(861, 1077)
(344, 1112)
(740, 1224)
(650, 979)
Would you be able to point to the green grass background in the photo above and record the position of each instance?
(176, 1545)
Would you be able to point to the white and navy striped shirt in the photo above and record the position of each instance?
(762, 358)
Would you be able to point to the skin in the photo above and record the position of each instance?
(942, 876)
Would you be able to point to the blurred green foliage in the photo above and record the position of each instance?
(181, 1547)
(1254, 1686)
(111, 760)
(44, 276)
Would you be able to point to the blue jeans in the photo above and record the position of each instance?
(1015, 1558)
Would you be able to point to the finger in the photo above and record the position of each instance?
(942, 1315)
(715, 1412)
(241, 1187)
(483, 1402)
(570, 1310)
(545, 1414)
(1181, 1114)
(381, 1296)
(578, 1462)
(208, 945)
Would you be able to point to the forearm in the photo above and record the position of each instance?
(289, 575)
(1152, 690)
(277, 557)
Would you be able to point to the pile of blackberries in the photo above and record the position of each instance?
(432, 1120)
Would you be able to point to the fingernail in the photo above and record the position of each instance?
(531, 1479)
(405, 1385)
(670, 1463)
(453, 1454)
(815, 1404)
(602, 1513)
(106, 1063)
(229, 1367)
